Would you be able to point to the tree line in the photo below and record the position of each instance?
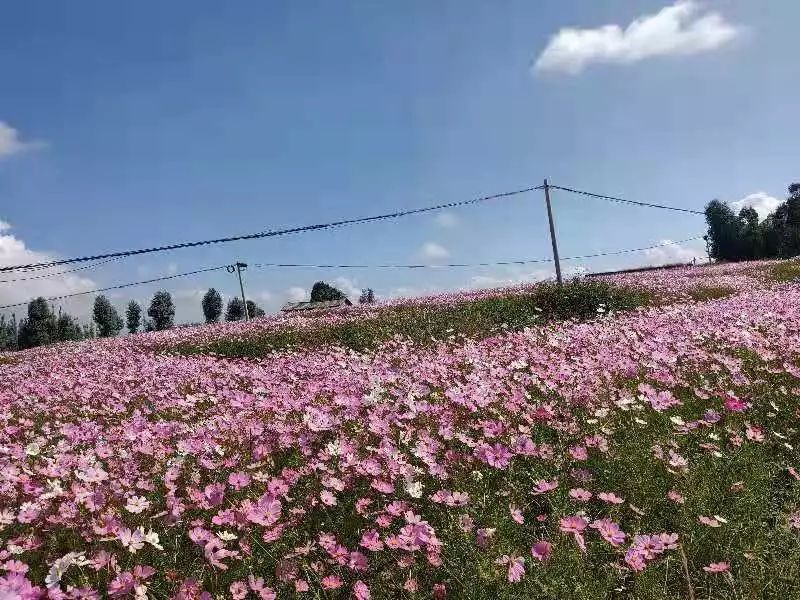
(43, 326)
(737, 237)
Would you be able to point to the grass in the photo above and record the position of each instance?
(785, 271)
(428, 323)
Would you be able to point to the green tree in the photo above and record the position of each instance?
(235, 309)
(40, 327)
(8, 334)
(254, 310)
(161, 311)
(106, 317)
(68, 329)
(88, 332)
(133, 316)
(723, 231)
(212, 306)
(321, 292)
(367, 296)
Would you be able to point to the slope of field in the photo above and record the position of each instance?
(650, 453)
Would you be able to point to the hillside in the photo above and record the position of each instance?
(630, 437)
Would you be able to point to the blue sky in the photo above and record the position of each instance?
(138, 124)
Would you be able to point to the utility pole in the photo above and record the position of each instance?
(238, 268)
(552, 232)
(708, 247)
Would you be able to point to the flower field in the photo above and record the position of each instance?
(648, 450)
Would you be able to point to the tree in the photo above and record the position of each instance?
(367, 296)
(8, 334)
(235, 310)
(321, 292)
(254, 310)
(161, 310)
(723, 231)
(212, 306)
(89, 332)
(106, 317)
(133, 316)
(40, 327)
(68, 329)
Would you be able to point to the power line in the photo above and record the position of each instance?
(102, 262)
(271, 233)
(623, 200)
(120, 286)
(353, 266)
(467, 265)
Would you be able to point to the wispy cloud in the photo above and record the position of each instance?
(447, 220)
(433, 251)
(11, 142)
(670, 253)
(763, 203)
(681, 29)
(29, 285)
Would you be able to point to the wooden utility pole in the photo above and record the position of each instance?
(552, 232)
(238, 268)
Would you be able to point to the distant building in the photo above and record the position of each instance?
(301, 307)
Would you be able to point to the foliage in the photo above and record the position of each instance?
(133, 316)
(8, 334)
(254, 310)
(40, 327)
(741, 237)
(212, 305)
(367, 296)
(235, 309)
(427, 324)
(322, 292)
(68, 329)
(106, 317)
(161, 311)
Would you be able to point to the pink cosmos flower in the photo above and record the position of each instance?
(361, 591)
(610, 498)
(541, 551)
(710, 521)
(137, 504)
(734, 404)
(371, 540)
(238, 590)
(516, 569)
(301, 585)
(580, 494)
(573, 524)
(579, 453)
(719, 567)
(439, 591)
(610, 531)
(754, 433)
(327, 498)
(676, 497)
(516, 514)
(238, 480)
(542, 486)
(331, 582)
(794, 520)
(257, 586)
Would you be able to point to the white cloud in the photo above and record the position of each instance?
(433, 251)
(349, 286)
(30, 284)
(677, 30)
(446, 220)
(762, 202)
(670, 253)
(11, 142)
(297, 294)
